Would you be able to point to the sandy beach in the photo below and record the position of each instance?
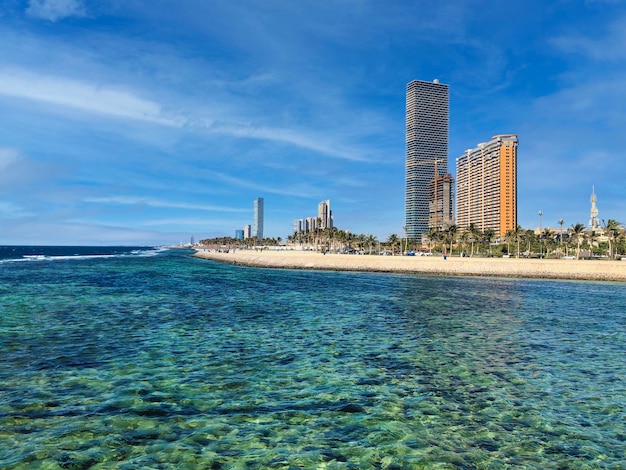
(596, 270)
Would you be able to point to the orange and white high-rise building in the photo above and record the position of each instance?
(486, 186)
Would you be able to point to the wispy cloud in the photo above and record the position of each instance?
(302, 190)
(8, 158)
(54, 10)
(598, 100)
(82, 95)
(18, 170)
(290, 136)
(610, 46)
(9, 209)
(192, 222)
(146, 201)
(120, 103)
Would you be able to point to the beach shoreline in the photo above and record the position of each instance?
(588, 270)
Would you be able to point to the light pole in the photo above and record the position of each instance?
(406, 240)
(561, 235)
(540, 245)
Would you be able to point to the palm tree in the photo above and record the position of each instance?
(465, 236)
(613, 228)
(433, 237)
(474, 235)
(488, 236)
(392, 241)
(517, 235)
(371, 241)
(529, 237)
(546, 236)
(578, 232)
(449, 236)
(510, 236)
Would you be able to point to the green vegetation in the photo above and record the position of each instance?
(608, 242)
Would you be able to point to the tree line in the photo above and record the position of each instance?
(577, 241)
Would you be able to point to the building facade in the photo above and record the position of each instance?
(298, 226)
(427, 122)
(238, 234)
(441, 205)
(486, 186)
(247, 231)
(324, 214)
(310, 224)
(257, 226)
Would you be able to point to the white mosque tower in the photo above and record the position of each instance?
(593, 221)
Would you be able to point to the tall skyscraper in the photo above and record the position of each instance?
(324, 214)
(427, 116)
(486, 186)
(257, 226)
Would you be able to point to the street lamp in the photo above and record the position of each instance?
(540, 244)
(561, 235)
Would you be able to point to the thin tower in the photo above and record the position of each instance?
(257, 228)
(593, 220)
(427, 117)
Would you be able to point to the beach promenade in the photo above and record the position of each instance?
(597, 270)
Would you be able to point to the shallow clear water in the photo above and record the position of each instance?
(175, 362)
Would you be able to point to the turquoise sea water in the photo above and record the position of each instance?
(165, 361)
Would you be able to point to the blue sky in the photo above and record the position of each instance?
(147, 122)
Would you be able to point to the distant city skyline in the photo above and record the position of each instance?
(323, 220)
(129, 123)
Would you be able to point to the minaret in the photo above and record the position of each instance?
(593, 221)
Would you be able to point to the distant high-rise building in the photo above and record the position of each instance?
(324, 214)
(298, 226)
(486, 186)
(257, 227)
(238, 234)
(427, 116)
(247, 231)
(310, 224)
(441, 205)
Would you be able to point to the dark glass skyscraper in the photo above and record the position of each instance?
(257, 226)
(427, 116)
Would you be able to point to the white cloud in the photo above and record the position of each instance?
(8, 158)
(81, 95)
(16, 170)
(119, 103)
(11, 209)
(194, 223)
(288, 136)
(159, 203)
(54, 10)
(609, 47)
(593, 101)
